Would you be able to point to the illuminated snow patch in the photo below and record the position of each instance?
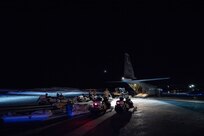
(144, 100)
(113, 102)
(9, 98)
(53, 94)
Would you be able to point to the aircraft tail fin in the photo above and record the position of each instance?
(128, 68)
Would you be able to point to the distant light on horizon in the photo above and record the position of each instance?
(105, 71)
(123, 78)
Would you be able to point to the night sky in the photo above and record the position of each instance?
(71, 43)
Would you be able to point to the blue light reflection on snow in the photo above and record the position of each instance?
(53, 94)
(15, 99)
(31, 97)
(16, 119)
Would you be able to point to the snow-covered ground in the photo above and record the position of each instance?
(14, 100)
(156, 117)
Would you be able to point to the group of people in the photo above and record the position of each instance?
(82, 98)
(46, 99)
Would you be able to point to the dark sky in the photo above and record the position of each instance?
(70, 43)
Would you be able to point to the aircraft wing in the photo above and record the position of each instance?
(138, 80)
(146, 80)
